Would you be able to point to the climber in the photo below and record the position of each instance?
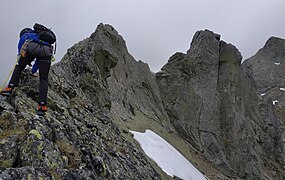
(34, 44)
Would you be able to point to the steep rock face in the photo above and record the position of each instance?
(134, 91)
(137, 104)
(182, 99)
(239, 116)
(267, 69)
(212, 104)
(77, 138)
(267, 65)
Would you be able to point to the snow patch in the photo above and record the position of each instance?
(262, 94)
(277, 63)
(275, 102)
(166, 156)
(282, 89)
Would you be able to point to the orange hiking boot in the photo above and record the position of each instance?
(7, 91)
(42, 108)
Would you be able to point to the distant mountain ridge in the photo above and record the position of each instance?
(205, 103)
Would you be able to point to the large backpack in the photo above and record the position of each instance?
(45, 34)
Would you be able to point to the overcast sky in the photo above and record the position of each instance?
(152, 29)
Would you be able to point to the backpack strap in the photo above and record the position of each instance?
(54, 48)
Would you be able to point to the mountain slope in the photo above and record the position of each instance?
(203, 102)
(77, 138)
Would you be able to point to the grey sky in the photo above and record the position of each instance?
(152, 29)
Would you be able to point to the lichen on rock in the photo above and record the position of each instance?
(204, 102)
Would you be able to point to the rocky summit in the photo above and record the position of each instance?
(226, 117)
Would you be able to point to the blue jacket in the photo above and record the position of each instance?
(35, 67)
(31, 36)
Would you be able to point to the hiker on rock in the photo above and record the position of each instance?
(34, 44)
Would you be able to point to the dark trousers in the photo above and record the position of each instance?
(43, 54)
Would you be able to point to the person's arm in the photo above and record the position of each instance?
(21, 42)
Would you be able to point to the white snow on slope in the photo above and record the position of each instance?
(277, 63)
(166, 156)
(282, 89)
(274, 102)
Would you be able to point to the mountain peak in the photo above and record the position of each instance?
(203, 103)
(274, 42)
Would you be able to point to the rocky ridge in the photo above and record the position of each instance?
(77, 138)
(203, 102)
(212, 102)
(267, 69)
